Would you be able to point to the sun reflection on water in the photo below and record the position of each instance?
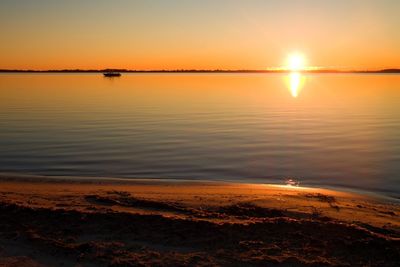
(295, 83)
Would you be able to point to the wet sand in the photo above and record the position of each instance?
(82, 222)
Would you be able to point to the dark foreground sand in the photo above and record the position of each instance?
(55, 222)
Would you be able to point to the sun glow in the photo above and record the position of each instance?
(296, 62)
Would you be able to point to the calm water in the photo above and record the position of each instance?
(324, 130)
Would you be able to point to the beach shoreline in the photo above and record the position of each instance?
(55, 221)
(385, 196)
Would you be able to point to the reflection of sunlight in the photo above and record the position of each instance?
(295, 81)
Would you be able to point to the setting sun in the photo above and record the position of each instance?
(296, 62)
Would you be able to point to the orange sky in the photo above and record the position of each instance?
(209, 34)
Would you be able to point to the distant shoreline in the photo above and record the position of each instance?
(397, 71)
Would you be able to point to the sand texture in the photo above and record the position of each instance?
(149, 223)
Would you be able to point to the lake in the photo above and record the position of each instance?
(329, 130)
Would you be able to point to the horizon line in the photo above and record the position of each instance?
(386, 70)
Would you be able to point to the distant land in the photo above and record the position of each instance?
(196, 71)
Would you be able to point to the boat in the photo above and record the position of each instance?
(111, 74)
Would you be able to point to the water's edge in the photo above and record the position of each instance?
(33, 178)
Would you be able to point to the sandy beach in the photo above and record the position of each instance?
(115, 222)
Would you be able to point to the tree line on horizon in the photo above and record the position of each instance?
(391, 70)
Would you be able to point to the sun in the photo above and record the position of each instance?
(296, 62)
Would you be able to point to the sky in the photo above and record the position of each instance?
(190, 34)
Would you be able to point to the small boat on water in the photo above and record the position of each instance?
(111, 74)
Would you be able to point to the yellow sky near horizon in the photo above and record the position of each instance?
(207, 34)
